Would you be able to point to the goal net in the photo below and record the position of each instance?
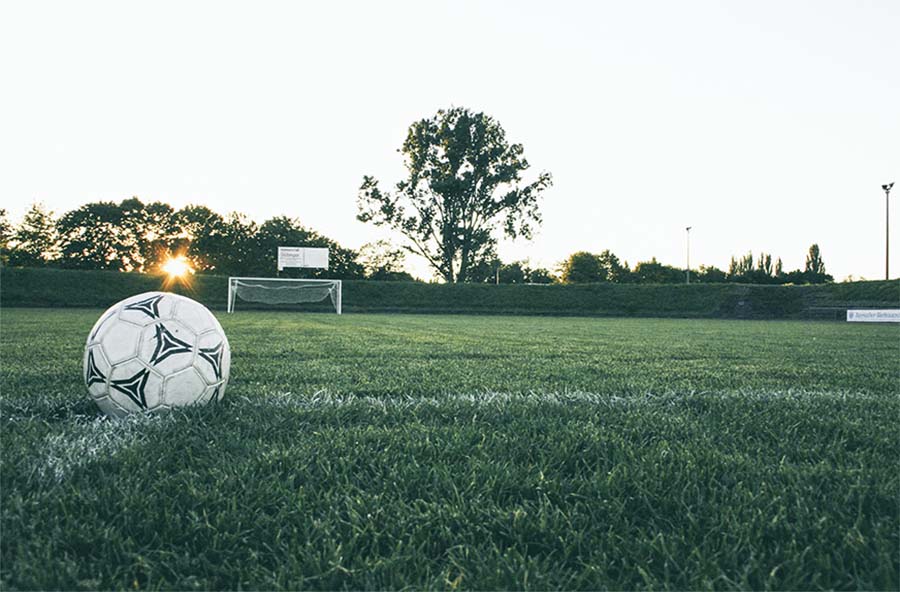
(283, 291)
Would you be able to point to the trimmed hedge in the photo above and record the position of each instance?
(98, 289)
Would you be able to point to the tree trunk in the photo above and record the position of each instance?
(463, 269)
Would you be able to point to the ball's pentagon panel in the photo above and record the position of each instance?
(120, 341)
(134, 386)
(96, 371)
(147, 308)
(213, 357)
(184, 388)
(196, 316)
(102, 323)
(167, 346)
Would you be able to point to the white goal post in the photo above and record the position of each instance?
(283, 291)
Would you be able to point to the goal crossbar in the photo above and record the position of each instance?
(283, 291)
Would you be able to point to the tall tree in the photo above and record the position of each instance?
(146, 233)
(814, 270)
(764, 264)
(91, 237)
(764, 272)
(193, 223)
(192, 220)
(732, 272)
(157, 232)
(613, 269)
(464, 180)
(814, 263)
(580, 268)
(228, 245)
(741, 270)
(745, 266)
(128, 236)
(34, 241)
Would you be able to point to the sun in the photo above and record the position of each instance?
(176, 267)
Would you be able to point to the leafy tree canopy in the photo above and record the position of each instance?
(582, 267)
(540, 275)
(654, 272)
(613, 269)
(383, 262)
(464, 180)
(34, 241)
(517, 272)
(128, 236)
(92, 237)
(814, 270)
(710, 274)
(227, 245)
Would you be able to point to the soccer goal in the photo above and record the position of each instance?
(283, 291)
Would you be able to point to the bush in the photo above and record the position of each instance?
(98, 289)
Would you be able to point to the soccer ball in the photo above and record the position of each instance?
(155, 351)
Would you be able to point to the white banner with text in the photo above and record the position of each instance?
(302, 257)
(889, 315)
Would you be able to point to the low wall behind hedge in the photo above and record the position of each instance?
(99, 289)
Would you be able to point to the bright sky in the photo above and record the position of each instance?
(766, 126)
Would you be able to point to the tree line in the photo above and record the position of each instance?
(466, 186)
(135, 236)
(585, 267)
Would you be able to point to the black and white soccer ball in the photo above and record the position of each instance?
(155, 351)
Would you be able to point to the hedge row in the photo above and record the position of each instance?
(69, 288)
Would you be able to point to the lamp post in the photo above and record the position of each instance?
(687, 272)
(887, 228)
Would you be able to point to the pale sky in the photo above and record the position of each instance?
(766, 126)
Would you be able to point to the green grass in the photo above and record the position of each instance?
(464, 452)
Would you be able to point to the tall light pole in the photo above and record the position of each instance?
(887, 230)
(687, 276)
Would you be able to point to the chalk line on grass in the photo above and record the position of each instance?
(86, 440)
(323, 399)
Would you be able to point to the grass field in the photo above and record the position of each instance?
(464, 452)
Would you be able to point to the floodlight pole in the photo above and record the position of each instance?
(887, 230)
(687, 271)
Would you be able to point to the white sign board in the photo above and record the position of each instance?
(890, 315)
(302, 257)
